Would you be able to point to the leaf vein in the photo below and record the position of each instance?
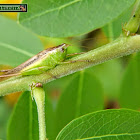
(51, 10)
(16, 49)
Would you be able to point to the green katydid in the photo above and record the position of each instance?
(43, 61)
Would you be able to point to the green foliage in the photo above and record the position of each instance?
(114, 29)
(23, 123)
(84, 93)
(109, 74)
(130, 89)
(5, 112)
(16, 43)
(108, 125)
(70, 17)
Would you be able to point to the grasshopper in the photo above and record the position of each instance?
(43, 61)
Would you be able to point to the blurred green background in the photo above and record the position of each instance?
(114, 84)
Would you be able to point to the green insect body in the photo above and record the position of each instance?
(43, 61)
(48, 59)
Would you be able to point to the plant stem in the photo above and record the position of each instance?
(39, 96)
(121, 47)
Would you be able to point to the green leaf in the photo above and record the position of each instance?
(23, 124)
(130, 88)
(105, 73)
(82, 95)
(5, 111)
(16, 43)
(70, 17)
(108, 125)
(24, 121)
(58, 85)
(49, 118)
(115, 137)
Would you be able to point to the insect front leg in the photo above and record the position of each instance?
(38, 70)
(73, 54)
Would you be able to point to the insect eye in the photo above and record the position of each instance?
(62, 50)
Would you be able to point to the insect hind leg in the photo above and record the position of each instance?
(38, 70)
(73, 54)
(5, 70)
